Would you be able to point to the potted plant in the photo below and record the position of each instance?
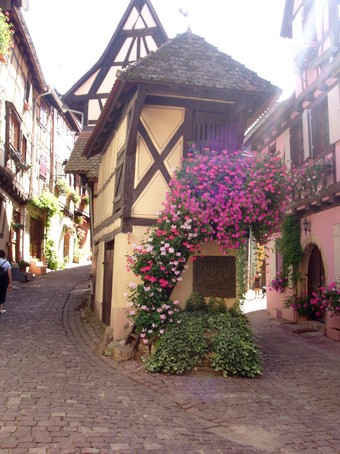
(75, 197)
(23, 265)
(331, 294)
(279, 283)
(307, 308)
(61, 187)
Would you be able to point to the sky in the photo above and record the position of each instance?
(71, 35)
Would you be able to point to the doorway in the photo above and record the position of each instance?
(107, 284)
(36, 238)
(316, 271)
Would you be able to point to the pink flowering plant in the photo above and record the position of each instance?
(279, 283)
(330, 294)
(313, 307)
(213, 197)
(310, 179)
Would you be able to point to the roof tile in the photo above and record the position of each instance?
(188, 59)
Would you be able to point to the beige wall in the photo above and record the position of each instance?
(122, 278)
(161, 124)
(106, 179)
(185, 289)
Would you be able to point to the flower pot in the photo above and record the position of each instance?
(333, 322)
(333, 333)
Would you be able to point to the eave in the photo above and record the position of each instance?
(12, 188)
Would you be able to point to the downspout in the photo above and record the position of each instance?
(52, 152)
(92, 280)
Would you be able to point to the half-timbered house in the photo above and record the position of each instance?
(306, 130)
(187, 90)
(36, 137)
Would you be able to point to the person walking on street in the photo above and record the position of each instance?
(257, 285)
(5, 279)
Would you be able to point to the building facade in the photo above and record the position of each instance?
(156, 107)
(305, 129)
(36, 138)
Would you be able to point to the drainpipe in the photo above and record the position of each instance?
(34, 151)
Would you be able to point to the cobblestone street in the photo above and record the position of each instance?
(58, 396)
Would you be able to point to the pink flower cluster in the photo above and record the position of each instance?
(310, 179)
(330, 295)
(215, 196)
(279, 283)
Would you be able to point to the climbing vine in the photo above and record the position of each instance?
(290, 248)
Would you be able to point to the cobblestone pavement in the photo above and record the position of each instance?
(57, 396)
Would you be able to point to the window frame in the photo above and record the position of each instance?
(296, 143)
(319, 123)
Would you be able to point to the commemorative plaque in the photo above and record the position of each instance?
(215, 276)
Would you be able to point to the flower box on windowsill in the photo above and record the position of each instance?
(3, 58)
(18, 160)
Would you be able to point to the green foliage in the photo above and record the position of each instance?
(85, 199)
(49, 203)
(195, 302)
(217, 305)
(241, 266)
(290, 247)
(51, 256)
(181, 347)
(23, 264)
(224, 337)
(75, 197)
(62, 187)
(6, 34)
(234, 348)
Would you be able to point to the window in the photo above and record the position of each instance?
(43, 165)
(278, 260)
(296, 144)
(27, 90)
(14, 131)
(24, 148)
(43, 118)
(320, 129)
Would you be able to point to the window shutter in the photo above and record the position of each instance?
(306, 117)
(334, 114)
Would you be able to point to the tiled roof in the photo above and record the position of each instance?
(77, 163)
(188, 59)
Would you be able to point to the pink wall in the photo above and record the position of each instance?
(321, 234)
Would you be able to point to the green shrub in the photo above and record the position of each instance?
(52, 261)
(235, 352)
(181, 347)
(217, 305)
(225, 337)
(195, 302)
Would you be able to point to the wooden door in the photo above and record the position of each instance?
(316, 271)
(36, 238)
(107, 284)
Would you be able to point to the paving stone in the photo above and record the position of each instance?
(58, 396)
